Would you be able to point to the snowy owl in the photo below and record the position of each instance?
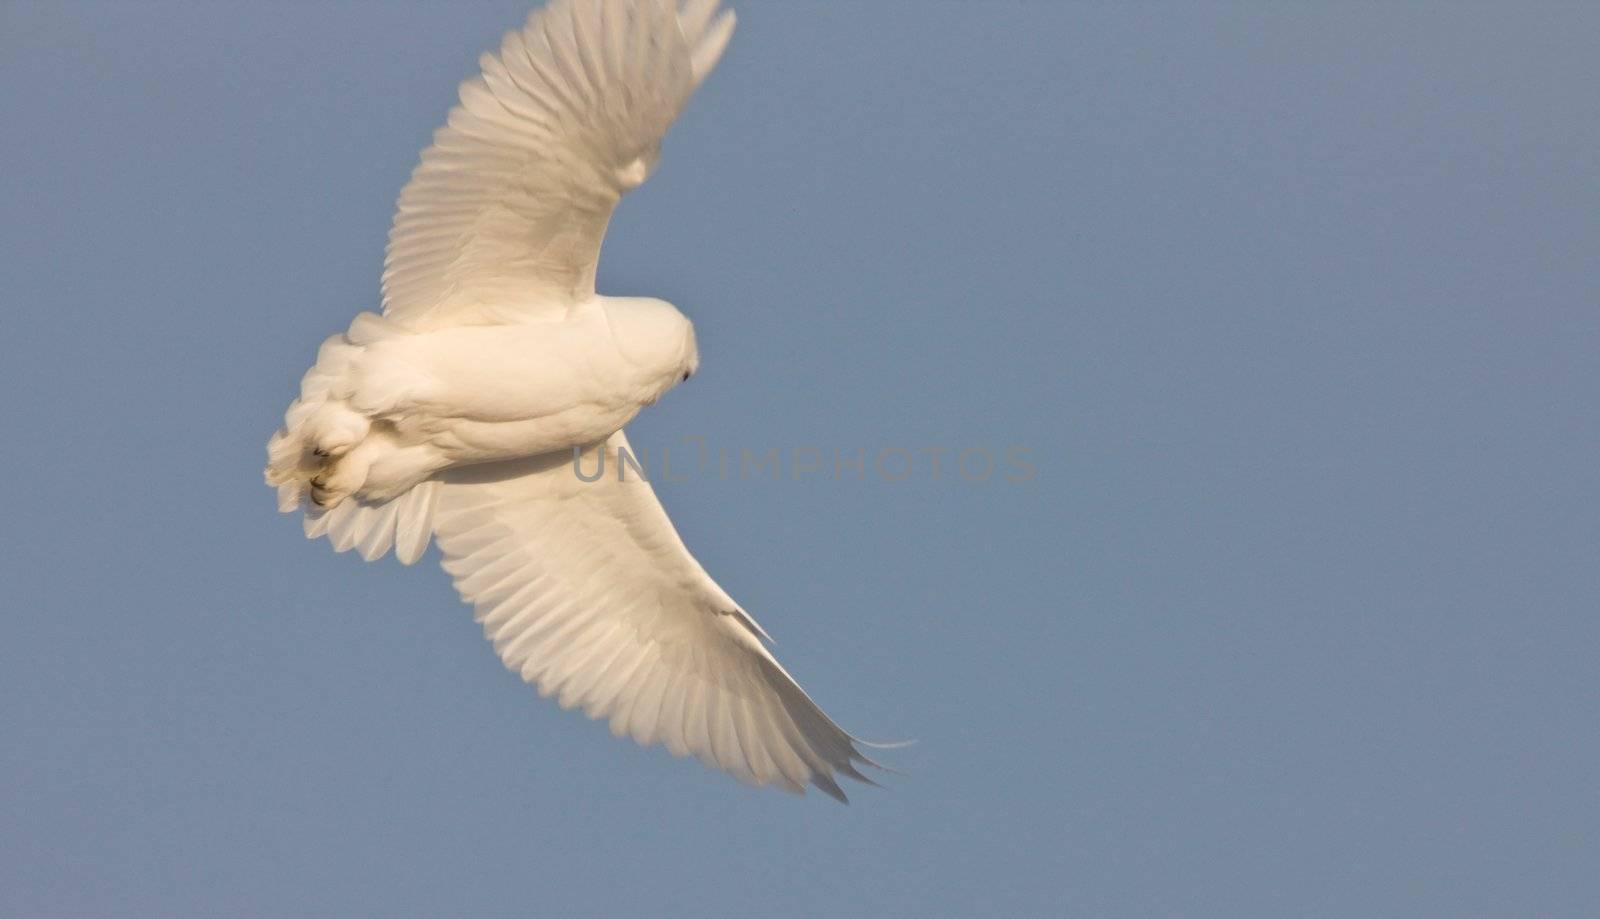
(453, 417)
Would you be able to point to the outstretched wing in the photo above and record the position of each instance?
(588, 593)
(504, 216)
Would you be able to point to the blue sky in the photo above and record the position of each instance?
(1293, 307)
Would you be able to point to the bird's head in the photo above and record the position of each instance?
(656, 338)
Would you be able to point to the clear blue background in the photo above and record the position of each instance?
(1296, 307)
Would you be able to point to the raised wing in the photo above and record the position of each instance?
(504, 216)
(588, 593)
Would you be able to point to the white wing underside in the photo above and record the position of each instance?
(587, 592)
(503, 217)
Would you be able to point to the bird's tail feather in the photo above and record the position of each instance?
(320, 426)
(404, 524)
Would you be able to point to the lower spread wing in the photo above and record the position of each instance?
(506, 211)
(588, 593)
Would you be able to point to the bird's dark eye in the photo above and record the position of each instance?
(687, 374)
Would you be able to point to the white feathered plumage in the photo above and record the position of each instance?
(453, 416)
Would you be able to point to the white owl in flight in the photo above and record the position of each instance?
(453, 416)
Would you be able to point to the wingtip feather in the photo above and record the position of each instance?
(708, 50)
